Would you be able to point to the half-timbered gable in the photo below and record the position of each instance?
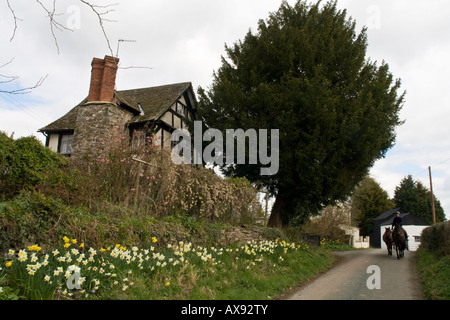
(154, 111)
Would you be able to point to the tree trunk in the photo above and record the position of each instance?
(280, 205)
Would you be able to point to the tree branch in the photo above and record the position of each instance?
(101, 19)
(53, 22)
(24, 90)
(15, 20)
(99, 10)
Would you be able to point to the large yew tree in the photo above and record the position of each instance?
(305, 72)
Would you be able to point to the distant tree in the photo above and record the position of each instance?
(331, 222)
(305, 73)
(415, 198)
(367, 202)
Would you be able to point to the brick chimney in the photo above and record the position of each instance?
(103, 79)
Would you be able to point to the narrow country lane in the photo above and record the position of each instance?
(365, 275)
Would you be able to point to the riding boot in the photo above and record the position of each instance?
(406, 239)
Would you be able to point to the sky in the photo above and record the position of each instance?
(171, 41)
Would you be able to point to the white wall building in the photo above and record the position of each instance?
(414, 232)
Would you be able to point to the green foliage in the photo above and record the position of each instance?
(368, 201)
(7, 293)
(25, 164)
(435, 275)
(179, 270)
(415, 198)
(436, 239)
(329, 224)
(28, 218)
(434, 261)
(305, 73)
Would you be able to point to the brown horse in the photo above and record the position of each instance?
(387, 238)
(399, 238)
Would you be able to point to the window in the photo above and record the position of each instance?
(66, 144)
(180, 109)
(416, 238)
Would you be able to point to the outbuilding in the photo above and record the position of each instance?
(412, 224)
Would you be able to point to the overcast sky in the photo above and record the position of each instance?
(184, 40)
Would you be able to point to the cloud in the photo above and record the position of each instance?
(184, 41)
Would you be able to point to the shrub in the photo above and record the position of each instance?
(436, 239)
(29, 218)
(329, 224)
(25, 164)
(145, 179)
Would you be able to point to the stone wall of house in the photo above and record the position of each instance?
(97, 125)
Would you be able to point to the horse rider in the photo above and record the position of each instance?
(398, 219)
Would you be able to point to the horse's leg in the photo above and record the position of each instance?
(397, 250)
(403, 248)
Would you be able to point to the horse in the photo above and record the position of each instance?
(387, 238)
(399, 238)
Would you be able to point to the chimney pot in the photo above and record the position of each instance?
(103, 79)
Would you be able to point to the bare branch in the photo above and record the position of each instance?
(10, 78)
(25, 90)
(99, 10)
(15, 20)
(53, 22)
(7, 63)
(101, 19)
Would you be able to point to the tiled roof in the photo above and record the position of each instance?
(154, 101)
(66, 122)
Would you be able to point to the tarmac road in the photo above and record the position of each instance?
(356, 271)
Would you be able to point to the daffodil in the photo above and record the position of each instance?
(34, 248)
(8, 264)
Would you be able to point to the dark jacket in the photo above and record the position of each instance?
(398, 220)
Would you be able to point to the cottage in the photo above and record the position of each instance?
(156, 111)
(412, 224)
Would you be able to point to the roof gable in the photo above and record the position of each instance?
(388, 214)
(66, 122)
(408, 220)
(154, 101)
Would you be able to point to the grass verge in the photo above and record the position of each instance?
(181, 271)
(434, 271)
